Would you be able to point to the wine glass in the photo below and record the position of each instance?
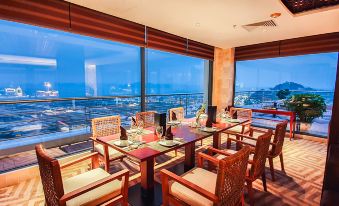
(159, 131)
(140, 125)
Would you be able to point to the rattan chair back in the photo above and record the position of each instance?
(242, 113)
(50, 176)
(105, 126)
(260, 155)
(179, 111)
(147, 118)
(231, 177)
(278, 139)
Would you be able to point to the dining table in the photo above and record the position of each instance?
(145, 146)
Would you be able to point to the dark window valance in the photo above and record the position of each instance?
(47, 13)
(89, 22)
(157, 39)
(198, 49)
(297, 46)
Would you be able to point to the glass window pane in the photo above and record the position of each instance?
(272, 83)
(175, 80)
(39, 64)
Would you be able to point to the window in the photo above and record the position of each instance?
(37, 63)
(175, 80)
(283, 82)
(55, 82)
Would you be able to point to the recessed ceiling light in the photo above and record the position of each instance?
(197, 24)
(275, 15)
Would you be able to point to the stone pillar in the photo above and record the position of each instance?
(223, 77)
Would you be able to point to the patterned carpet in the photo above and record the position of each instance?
(301, 185)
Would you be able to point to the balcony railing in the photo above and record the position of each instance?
(46, 117)
(266, 98)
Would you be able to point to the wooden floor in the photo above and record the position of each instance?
(301, 185)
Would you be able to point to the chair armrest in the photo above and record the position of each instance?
(211, 159)
(258, 130)
(95, 140)
(247, 123)
(94, 185)
(210, 151)
(241, 142)
(169, 175)
(246, 136)
(73, 162)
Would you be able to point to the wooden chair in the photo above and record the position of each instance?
(146, 117)
(276, 145)
(105, 126)
(243, 128)
(179, 111)
(200, 187)
(90, 188)
(257, 160)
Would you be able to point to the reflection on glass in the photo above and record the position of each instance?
(274, 83)
(40, 63)
(169, 73)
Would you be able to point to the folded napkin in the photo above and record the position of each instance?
(123, 134)
(209, 122)
(174, 116)
(169, 135)
(134, 121)
(235, 115)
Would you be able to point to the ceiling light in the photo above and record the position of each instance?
(275, 15)
(197, 24)
(14, 59)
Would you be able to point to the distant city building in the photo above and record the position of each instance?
(14, 92)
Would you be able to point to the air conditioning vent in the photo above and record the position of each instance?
(262, 24)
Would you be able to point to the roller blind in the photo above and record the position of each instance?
(48, 13)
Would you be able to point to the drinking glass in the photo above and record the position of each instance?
(159, 130)
(140, 125)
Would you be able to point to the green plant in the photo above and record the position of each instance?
(282, 94)
(306, 106)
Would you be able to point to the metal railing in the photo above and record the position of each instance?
(29, 118)
(266, 98)
(163, 102)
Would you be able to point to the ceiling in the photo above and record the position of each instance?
(212, 21)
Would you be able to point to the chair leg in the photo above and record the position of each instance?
(201, 143)
(282, 162)
(176, 152)
(263, 177)
(270, 160)
(164, 186)
(242, 199)
(250, 192)
(228, 142)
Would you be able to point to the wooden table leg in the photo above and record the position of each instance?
(189, 156)
(217, 140)
(147, 177)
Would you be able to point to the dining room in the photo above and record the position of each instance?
(148, 103)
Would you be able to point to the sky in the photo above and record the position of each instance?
(116, 65)
(27, 51)
(317, 71)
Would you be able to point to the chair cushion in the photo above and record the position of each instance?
(219, 156)
(112, 152)
(86, 178)
(237, 129)
(200, 177)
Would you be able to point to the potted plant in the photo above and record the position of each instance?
(307, 107)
